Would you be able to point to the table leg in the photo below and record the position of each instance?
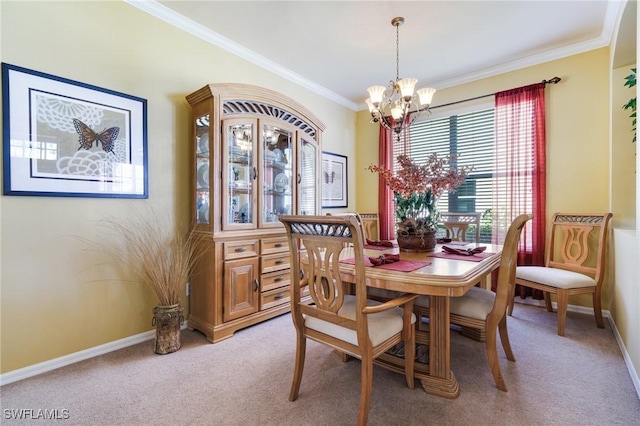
(441, 381)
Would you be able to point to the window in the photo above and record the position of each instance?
(505, 143)
(470, 136)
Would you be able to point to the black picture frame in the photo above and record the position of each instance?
(64, 138)
(334, 180)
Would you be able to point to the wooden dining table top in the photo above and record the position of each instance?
(441, 277)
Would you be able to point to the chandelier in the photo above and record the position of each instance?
(391, 110)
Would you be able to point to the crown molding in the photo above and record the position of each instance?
(156, 9)
(162, 12)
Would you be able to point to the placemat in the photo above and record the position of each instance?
(400, 266)
(475, 258)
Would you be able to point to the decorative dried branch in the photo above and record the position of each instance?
(159, 258)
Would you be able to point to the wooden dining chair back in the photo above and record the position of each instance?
(358, 219)
(458, 224)
(371, 225)
(338, 314)
(574, 263)
(481, 313)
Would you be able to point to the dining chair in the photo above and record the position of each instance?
(338, 314)
(574, 263)
(482, 310)
(371, 225)
(456, 225)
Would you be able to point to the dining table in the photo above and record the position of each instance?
(439, 275)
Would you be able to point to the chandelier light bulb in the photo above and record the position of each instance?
(397, 112)
(376, 94)
(426, 95)
(370, 105)
(406, 86)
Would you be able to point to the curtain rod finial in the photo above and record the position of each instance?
(554, 80)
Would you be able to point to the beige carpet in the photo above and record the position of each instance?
(580, 379)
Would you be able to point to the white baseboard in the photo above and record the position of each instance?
(606, 314)
(43, 367)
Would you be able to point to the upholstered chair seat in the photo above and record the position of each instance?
(554, 277)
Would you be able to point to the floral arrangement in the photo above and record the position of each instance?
(417, 188)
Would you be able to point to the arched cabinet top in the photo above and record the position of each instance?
(234, 98)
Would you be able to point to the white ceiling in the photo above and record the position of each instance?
(339, 48)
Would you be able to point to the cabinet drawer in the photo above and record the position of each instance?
(275, 280)
(275, 262)
(276, 297)
(274, 245)
(240, 249)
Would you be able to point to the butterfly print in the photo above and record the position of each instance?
(328, 178)
(87, 136)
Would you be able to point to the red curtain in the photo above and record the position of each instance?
(520, 164)
(389, 149)
(385, 195)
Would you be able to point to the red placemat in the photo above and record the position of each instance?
(475, 258)
(401, 265)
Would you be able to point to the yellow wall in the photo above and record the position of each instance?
(57, 298)
(577, 129)
(582, 176)
(623, 152)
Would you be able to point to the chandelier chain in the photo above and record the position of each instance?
(397, 52)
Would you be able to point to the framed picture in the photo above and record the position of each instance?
(63, 138)
(334, 180)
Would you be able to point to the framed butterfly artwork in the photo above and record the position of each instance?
(334, 180)
(64, 138)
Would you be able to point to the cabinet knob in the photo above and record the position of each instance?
(278, 279)
(278, 245)
(279, 261)
(240, 249)
(256, 285)
(278, 296)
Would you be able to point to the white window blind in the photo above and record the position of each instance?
(470, 136)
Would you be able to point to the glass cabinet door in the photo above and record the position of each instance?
(277, 155)
(202, 175)
(308, 189)
(239, 173)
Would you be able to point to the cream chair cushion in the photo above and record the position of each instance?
(382, 325)
(476, 303)
(554, 277)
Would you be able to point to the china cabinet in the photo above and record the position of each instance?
(256, 155)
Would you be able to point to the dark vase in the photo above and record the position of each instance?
(420, 241)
